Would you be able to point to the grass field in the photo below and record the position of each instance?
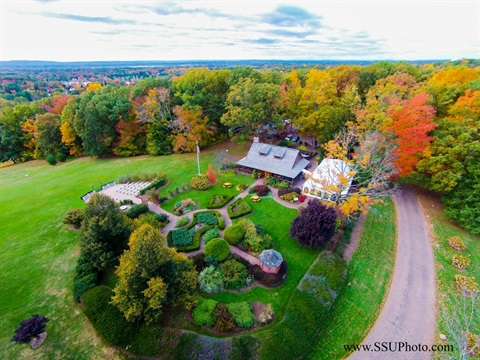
(368, 275)
(447, 293)
(39, 253)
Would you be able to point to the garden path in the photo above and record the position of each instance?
(409, 311)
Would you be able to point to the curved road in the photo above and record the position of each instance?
(408, 315)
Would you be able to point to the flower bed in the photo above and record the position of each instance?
(218, 201)
(238, 208)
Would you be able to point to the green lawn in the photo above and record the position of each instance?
(39, 253)
(447, 293)
(368, 275)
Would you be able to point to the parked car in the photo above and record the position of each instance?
(295, 138)
(289, 137)
(237, 130)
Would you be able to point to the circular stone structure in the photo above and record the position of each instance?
(270, 261)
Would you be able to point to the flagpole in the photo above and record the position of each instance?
(198, 157)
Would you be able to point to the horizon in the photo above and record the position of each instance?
(354, 30)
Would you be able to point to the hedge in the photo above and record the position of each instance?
(207, 219)
(136, 210)
(238, 208)
(154, 185)
(204, 312)
(217, 249)
(242, 313)
(289, 190)
(86, 277)
(218, 201)
(189, 248)
(183, 237)
(220, 219)
(234, 234)
(107, 320)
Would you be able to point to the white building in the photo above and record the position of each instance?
(330, 178)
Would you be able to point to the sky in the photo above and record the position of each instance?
(102, 30)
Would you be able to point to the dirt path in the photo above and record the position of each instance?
(354, 238)
(409, 311)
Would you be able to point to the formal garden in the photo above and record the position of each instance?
(220, 302)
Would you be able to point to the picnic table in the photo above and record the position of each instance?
(227, 185)
(255, 198)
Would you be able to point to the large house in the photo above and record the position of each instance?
(276, 161)
(332, 178)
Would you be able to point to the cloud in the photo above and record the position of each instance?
(292, 33)
(91, 19)
(263, 41)
(291, 16)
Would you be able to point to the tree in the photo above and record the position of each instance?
(189, 128)
(48, 135)
(30, 329)
(211, 175)
(371, 158)
(252, 104)
(97, 115)
(154, 110)
(411, 122)
(152, 276)
(13, 139)
(131, 140)
(70, 137)
(315, 226)
(104, 232)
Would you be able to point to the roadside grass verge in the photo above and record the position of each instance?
(356, 308)
(448, 296)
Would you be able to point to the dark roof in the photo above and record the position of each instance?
(274, 159)
(270, 258)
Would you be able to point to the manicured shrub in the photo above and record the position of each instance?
(156, 184)
(218, 201)
(74, 217)
(261, 190)
(162, 218)
(107, 320)
(182, 221)
(289, 190)
(249, 227)
(51, 159)
(279, 184)
(210, 235)
(61, 157)
(200, 182)
(204, 312)
(184, 206)
(211, 175)
(242, 314)
(86, 277)
(460, 262)
(183, 237)
(466, 284)
(259, 243)
(225, 321)
(266, 315)
(289, 197)
(456, 243)
(30, 329)
(207, 219)
(220, 224)
(234, 234)
(315, 226)
(240, 187)
(238, 208)
(234, 274)
(210, 280)
(217, 249)
(136, 210)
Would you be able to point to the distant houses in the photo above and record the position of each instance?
(332, 178)
(275, 161)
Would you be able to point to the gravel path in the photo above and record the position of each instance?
(409, 311)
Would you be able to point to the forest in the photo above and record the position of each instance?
(428, 113)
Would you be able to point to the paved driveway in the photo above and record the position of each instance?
(409, 311)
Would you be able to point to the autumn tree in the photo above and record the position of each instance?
(13, 139)
(70, 137)
(371, 158)
(104, 232)
(316, 224)
(211, 175)
(155, 113)
(131, 139)
(189, 128)
(411, 122)
(152, 276)
(252, 104)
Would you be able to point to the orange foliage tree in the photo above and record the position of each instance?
(211, 175)
(410, 122)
